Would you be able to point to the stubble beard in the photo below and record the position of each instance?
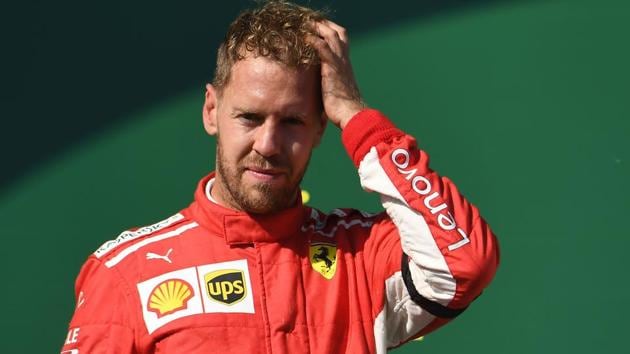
(259, 198)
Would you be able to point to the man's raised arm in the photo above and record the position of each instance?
(449, 252)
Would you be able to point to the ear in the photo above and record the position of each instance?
(321, 127)
(209, 111)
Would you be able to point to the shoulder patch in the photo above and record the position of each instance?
(323, 257)
(129, 235)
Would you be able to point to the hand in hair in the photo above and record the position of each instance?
(340, 92)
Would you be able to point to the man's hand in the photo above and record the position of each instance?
(340, 93)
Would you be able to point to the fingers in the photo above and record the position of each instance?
(323, 49)
(334, 35)
(341, 31)
(340, 93)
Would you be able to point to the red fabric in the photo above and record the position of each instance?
(295, 309)
(366, 129)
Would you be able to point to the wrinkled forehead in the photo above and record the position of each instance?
(259, 81)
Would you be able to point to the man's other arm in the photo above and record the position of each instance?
(101, 320)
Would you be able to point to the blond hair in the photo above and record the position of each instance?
(276, 30)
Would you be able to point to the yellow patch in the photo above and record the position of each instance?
(306, 196)
(169, 296)
(226, 286)
(323, 258)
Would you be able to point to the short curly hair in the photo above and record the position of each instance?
(276, 30)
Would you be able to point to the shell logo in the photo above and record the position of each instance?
(169, 296)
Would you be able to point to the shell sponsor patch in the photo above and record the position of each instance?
(169, 296)
(161, 305)
(323, 257)
(212, 288)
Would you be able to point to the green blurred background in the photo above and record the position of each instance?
(524, 104)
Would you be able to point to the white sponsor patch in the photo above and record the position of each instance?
(224, 289)
(194, 291)
(170, 296)
(127, 236)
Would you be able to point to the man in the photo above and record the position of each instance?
(246, 268)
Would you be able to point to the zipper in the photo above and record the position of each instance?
(263, 298)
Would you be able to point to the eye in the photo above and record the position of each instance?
(294, 121)
(250, 118)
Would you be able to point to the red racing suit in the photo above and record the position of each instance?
(215, 280)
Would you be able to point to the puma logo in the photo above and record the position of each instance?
(151, 255)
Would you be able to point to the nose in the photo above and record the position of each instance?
(267, 140)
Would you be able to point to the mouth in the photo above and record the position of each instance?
(264, 174)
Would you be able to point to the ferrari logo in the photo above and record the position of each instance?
(323, 258)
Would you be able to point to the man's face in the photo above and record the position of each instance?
(267, 121)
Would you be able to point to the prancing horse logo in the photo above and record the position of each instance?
(323, 255)
(323, 258)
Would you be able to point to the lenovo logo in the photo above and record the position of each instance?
(431, 199)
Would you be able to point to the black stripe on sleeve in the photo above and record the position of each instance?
(432, 307)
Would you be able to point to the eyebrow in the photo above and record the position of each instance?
(238, 110)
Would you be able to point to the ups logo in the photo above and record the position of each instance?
(226, 286)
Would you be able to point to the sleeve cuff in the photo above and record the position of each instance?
(366, 129)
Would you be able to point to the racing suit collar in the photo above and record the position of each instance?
(242, 228)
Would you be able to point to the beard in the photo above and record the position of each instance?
(258, 198)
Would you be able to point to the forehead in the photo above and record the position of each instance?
(260, 83)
